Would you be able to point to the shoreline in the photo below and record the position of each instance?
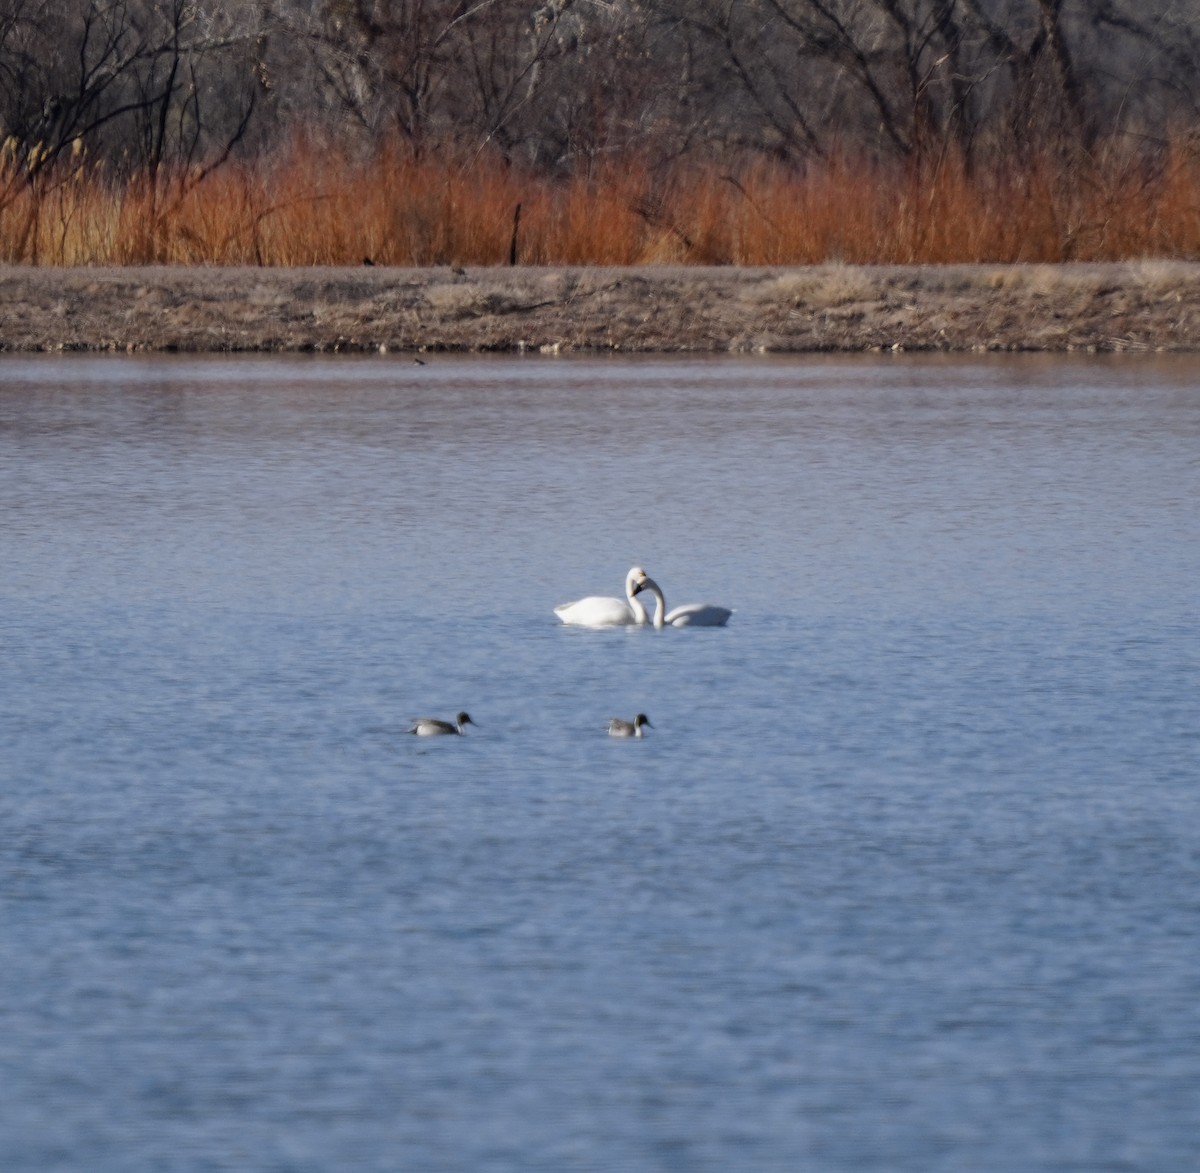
(1151, 306)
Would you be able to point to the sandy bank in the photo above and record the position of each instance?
(1136, 306)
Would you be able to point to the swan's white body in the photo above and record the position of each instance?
(687, 615)
(432, 727)
(619, 728)
(606, 611)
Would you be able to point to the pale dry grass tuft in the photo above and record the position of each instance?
(454, 300)
(1157, 276)
(1044, 280)
(818, 287)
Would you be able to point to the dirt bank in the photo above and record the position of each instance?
(1137, 306)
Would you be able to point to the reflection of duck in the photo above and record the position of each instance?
(606, 611)
(687, 615)
(619, 728)
(431, 727)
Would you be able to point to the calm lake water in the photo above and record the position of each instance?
(906, 876)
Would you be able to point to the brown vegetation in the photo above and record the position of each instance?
(424, 132)
(315, 208)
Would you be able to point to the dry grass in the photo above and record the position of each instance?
(312, 207)
(818, 287)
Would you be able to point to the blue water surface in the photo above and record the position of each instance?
(905, 876)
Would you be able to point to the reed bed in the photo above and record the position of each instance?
(314, 207)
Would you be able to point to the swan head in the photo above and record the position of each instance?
(643, 582)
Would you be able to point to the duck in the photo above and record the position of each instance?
(619, 728)
(432, 727)
(605, 610)
(686, 615)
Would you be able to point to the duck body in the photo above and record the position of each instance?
(620, 728)
(432, 727)
(607, 610)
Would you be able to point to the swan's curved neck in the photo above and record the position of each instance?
(660, 607)
(635, 604)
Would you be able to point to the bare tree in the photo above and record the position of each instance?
(163, 88)
(138, 85)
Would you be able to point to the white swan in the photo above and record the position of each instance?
(431, 727)
(687, 615)
(619, 728)
(606, 611)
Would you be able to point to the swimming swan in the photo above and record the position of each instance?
(619, 728)
(687, 615)
(606, 611)
(431, 727)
